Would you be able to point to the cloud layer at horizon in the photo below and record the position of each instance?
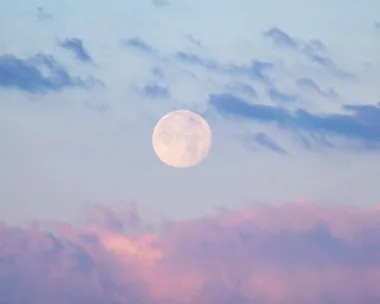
(291, 254)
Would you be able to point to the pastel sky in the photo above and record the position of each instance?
(291, 92)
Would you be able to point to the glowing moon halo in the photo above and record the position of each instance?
(181, 139)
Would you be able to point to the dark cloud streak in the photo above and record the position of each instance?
(314, 50)
(311, 84)
(281, 38)
(153, 90)
(196, 60)
(277, 96)
(161, 3)
(139, 44)
(76, 46)
(265, 141)
(43, 15)
(26, 74)
(362, 123)
(244, 89)
(256, 70)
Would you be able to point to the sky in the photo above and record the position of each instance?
(287, 201)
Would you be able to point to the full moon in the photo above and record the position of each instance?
(181, 139)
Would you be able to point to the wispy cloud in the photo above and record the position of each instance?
(195, 41)
(277, 96)
(196, 60)
(293, 253)
(27, 75)
(314, 50)
(158, 72)
(154, 90)
(139, 44)
(311, 84)
(256, 69)
(315, 141)
(76, 46)
(43, 15)
(265, 141)
(361, 123)
(161, 3)
(243, 88)
(281, 38)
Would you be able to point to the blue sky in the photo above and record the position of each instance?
(290, 90)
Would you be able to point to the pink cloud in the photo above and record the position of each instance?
(295, 253)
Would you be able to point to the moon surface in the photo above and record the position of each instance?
(181, 139)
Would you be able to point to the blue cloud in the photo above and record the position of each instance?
(160, 3)
(275, 95)
(42, 14)
(321, 60)
(139, 44)
(76, 46)
(157, 71)
(311, 84)
(232, 105)
(256, 70)
(377, 24)
(280, 38)
(243, 88)
(362, 123)
(312, 141)
(313, 50)
(197, 42)
(153, 90)
(265, 141)
(196, 60)
(24, 74)
(325, 62)
(367, 114)
(306, 143)
(317, 45)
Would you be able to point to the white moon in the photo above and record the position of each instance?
(182, 139)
